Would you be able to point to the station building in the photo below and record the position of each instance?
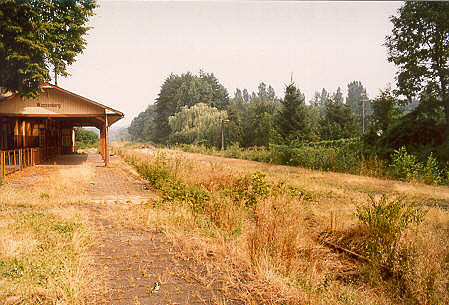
(35, 130)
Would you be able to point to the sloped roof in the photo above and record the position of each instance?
(51, 86)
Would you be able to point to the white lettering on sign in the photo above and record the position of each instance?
(49, 105)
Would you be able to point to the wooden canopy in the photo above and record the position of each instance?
(47, 122)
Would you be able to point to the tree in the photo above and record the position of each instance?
(238, 95)
(385, 110)
(39, 36)
(271, 95)
(85, 138)
(142, 127)
(245, 95)
(338, 96)
(357, 100)
(339, 121)
(183, 90)
(419, 47)
(262, 91)
(294, 123)
(199, 124)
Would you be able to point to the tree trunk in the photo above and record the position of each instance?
(446, 110)
(445, 97)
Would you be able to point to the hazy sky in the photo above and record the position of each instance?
(134, 46)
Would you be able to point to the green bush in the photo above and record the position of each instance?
(344, 155)
(432, 172)
(249, 188)
(407, 167)
(404, 166)
(86, 138)
(159, 177)
(385, 220)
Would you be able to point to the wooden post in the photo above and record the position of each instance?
(106, 148)
(3, 163)
(102, 138)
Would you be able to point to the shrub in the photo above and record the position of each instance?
(249, 189)
(432, 172)
(385, 220)
(404, 166)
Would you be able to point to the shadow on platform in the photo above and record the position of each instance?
(71, 159)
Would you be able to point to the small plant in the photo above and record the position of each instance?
(249, 188)
(404, 165)
(44, 196)
(385, 220)
(12, 268)
(432, 172)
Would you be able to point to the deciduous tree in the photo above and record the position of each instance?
(419, 47)
(37, 37)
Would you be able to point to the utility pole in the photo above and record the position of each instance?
(363, 100)
(363, 116)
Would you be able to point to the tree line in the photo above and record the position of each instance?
(190, 108)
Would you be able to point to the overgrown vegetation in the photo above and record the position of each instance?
(86, 138)
(41, 256)
(344, 155)
(275, 224)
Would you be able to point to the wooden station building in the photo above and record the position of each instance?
(34, 130)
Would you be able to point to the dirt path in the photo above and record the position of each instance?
(132, 261)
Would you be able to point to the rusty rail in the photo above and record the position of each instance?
(13, 160)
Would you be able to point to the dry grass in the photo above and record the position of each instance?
(276, 240)
(43, 255)
(44, 238)
(43, 187)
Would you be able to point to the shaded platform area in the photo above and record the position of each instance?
(72, 159)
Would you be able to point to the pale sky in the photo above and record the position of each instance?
(134, 45)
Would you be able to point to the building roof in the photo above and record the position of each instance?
(59, 103)
(51, 86)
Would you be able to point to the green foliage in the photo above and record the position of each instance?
(252, 122)
(249, 189)
(186, 90)
(385, 221)
(198, 124)
(385, 110)
(357, 100)
(406, 166)
(39, 36)
(338, 121)
(142, 127)
(293, 117)
(419, 47)
(159, 177)
(85, 138)
(343, 155)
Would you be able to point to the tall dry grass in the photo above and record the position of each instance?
(47, 187)
(267, 219)
(45, 237)
(43, 256)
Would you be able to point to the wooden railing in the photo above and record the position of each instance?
(17, 159)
